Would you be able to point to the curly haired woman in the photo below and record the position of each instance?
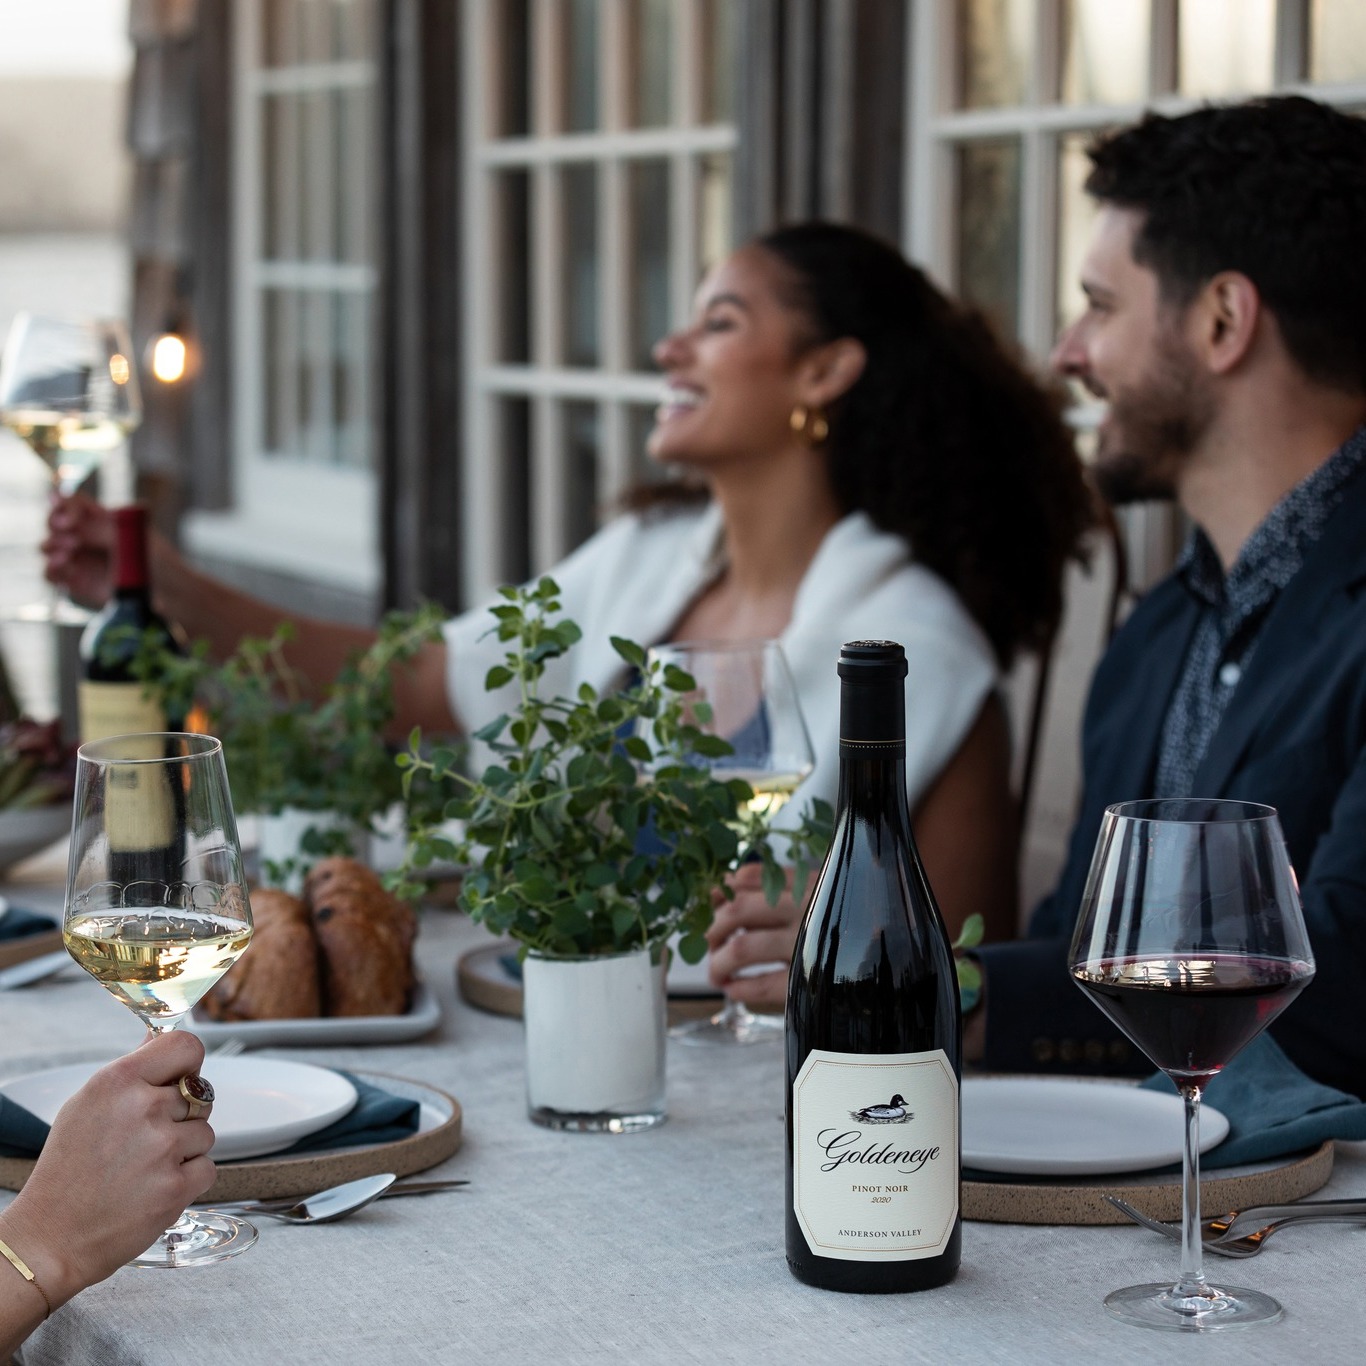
(860, 457)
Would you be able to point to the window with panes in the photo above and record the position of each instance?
(305, 273)
(599, 139)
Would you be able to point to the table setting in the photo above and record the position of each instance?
(666, 1245)
(586, 1236)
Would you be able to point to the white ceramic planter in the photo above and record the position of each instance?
(595, 1035)
(279, 836)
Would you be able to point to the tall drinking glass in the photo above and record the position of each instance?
(1191, 939)
(157, 909)
(69, 391)
(745, 693)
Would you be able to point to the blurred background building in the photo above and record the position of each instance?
(419, 249)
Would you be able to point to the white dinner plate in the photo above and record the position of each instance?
(260, 1104)
(1035, 1126)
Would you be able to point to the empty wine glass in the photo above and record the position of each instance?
(744, 693)
(69, 391)
(1190, 938)
(156, 907)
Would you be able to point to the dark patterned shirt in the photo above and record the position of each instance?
(1236, 607)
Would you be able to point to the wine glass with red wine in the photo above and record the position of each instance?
(1190, 938)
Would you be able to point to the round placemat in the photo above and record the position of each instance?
(1082, 1202)
(266, 1177)
(28, 946)
(483, 981)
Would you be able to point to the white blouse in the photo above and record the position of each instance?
(638, 575)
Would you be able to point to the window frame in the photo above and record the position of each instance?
(546, 382)
(306, 520)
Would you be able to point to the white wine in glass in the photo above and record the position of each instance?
(745, 693)
(157, 908)
(69, 391)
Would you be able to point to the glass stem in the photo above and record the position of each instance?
(733, 1013)
(1192, 1282)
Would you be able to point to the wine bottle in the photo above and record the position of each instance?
(112, 700)
(874, 1028)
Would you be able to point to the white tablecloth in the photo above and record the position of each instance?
(665, 1246)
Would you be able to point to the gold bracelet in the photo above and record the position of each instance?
(22, 1268)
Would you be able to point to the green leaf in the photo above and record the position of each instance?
(629, 651)
(971, 933)
(678, 680)
(712, 746)
(497, 677)
(774, 881)
(692, 948)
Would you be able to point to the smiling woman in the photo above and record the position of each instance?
(860, 457)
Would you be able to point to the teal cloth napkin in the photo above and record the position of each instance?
(1273, 1109)
(17, 924)
(377, 1117)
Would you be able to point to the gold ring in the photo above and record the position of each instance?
(198, 1094)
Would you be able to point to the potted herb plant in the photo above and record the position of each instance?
(318, 774)
(593, 848)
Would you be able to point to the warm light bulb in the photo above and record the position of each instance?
(118, 368)
(168, 358)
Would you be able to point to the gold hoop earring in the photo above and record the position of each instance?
(810, 423)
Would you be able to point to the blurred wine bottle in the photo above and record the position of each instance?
(113, 700)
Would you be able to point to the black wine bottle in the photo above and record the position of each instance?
(112, 699)
(874, 1029)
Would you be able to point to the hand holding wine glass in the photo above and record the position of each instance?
(69, 391)
(1191, 939)
(744, 693)
(157, 910)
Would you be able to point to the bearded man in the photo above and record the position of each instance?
(1225, 328)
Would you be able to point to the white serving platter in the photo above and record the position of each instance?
(421, 1018)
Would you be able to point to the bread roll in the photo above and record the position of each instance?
(277, 977)
(365, 940)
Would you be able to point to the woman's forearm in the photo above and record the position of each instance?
(205, 608)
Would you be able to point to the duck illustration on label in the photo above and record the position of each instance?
(896, 1111)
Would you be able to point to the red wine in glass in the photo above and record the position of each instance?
(1190, 937)
(1192, 1015)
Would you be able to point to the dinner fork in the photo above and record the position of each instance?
(1227, 1244)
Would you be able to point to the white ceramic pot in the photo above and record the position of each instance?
(279, 836)
(595, 1034)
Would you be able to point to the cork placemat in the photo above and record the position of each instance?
(28, 946)
(484, 981)
(1082, 1202)
(437, 1138)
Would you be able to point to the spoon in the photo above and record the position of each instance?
(337, 1201)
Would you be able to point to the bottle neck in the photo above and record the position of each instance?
(873, 787)
(873, 749)
(131, 577)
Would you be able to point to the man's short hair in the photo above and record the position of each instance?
(1275, 189)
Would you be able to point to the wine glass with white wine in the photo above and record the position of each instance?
(157, 909)
(69, 391)
(744, 692)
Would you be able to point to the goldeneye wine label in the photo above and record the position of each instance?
(875, 1154)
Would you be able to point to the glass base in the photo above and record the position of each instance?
(601, 1122)
(199, 1239)
(1162, 1306)
(728, 1028)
